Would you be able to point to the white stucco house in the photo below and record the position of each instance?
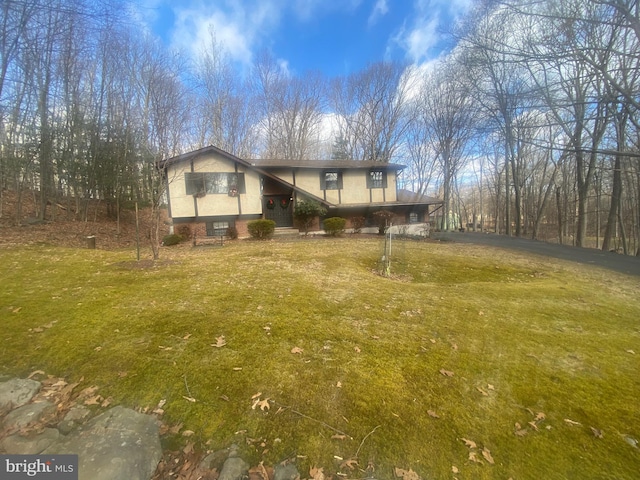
(212, 190)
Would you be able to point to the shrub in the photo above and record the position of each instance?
(384, 218)
(334, 226)
(357, 223)
(261, 229)
(232, 232)
(173, 239)
(305, 212)
(184, 231)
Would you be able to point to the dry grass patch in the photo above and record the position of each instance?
(301, 349)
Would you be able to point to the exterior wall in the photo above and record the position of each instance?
(183, 205)
(354, 186)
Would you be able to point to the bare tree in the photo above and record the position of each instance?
(448, 114)
(372, 108)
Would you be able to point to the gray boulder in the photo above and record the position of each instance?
(17, 392)
(29, 413)
(32, 444)
(118, 444)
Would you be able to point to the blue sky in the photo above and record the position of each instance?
(335, 37)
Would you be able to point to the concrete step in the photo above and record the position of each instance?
(283, 232)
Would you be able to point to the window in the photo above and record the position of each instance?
(217, 229)
(413, 217)
(377, 179)
(194, 183)
(200, 182)
(331, 180)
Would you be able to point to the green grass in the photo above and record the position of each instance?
(521, 336)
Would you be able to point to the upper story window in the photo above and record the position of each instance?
(200, 183)
(377, 179)
(331, 180)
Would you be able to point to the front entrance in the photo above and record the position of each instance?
(279, 208)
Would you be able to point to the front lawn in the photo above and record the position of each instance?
(469, 359)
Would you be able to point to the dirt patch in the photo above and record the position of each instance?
(66, 227)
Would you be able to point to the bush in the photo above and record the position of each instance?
(334, 226)
(383, 218)
(173, 239)
(357, 223)
(305, 212)
(261, 229)
(232, 232)
(184, 231)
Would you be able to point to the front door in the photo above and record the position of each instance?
(279, 208)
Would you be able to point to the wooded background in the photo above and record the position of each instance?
(528, 127)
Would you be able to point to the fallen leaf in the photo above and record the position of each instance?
(34, 373)
(176, 429)
(469, 443)
(93, 400)
(316, 473)
(17, 310)
(571, 422)
(187, 336)
(189, 399)
(236, 369)
(631, 352)
(406, 474)
(97, 349)
(446, 373)
(106, 402)
(432, 340)
(256, 395)
(454, 469)
(297, 350)
(540, 416)
(38, 330)
(521, 433)
(533, 425)
(473, 456)
(338, 437)
(482, 391)
(188, 448)
(490, 387)
(339, 385)
(220, 342)
(258, 472)
(432, 414)
(487, 456)
(357, 349)
(264, 404)
(351, 464)
(188, 433)
(597, 432)
(480, 313)
(454, 346)
(122, 374)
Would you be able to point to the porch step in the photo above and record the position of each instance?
(283, 232)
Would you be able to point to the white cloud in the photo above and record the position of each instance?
(425, 29)
(380, 9)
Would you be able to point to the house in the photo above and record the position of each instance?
(212, 190)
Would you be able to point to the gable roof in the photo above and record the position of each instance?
(190, 156)
(407, 196)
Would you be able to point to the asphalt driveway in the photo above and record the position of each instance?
(613, 261)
